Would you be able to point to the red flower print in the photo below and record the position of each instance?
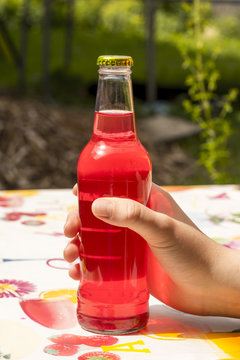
(99, 355)
(15, 288)
(95, 341)
(220, 196)
(14, 216)
(99, 340)
(10, 201)
(67, 339)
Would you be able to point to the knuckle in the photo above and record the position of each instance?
(133, 212)
(167, 223)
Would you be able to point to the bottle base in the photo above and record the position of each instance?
(113, 326)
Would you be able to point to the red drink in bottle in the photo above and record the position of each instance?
(113, 294)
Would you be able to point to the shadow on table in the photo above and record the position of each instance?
(169, 324)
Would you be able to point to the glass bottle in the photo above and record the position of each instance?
(112, 294)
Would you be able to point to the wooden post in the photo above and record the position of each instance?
(46, 33)
(69, 34)
(151, 89)
(13, 50)
(23, 46)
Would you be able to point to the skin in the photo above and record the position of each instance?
(187, 270)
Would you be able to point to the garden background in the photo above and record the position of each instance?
(186, 67)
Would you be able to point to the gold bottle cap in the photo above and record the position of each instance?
(115, 60)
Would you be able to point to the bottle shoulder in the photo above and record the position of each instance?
(111, 159)
(109, 148)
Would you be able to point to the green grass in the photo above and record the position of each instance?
(89, 44)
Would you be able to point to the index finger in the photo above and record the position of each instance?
(75, 189)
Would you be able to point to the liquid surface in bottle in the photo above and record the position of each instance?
(113, 259)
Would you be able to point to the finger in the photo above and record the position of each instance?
(74, 272)
(137, 217)
(75, 190)
(71, 251)
(176, 244)
(73, 224)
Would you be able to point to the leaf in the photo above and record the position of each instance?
(236, 214)
(235, 221)
(7, 356)
(212, 80)
(232, 94)
(187, 105)
(186, 7)
(216, 219)
(187, 63)
(52, 351)
(190, 80)
(227, 107)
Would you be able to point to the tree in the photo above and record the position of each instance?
(24, 30)
(46, 32)
(69, 34)
(9, 43)
(151, 91)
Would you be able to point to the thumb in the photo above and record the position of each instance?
(182, 250)
(152, 226)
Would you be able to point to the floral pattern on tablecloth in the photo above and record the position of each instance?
(15, 288)
(38, 298)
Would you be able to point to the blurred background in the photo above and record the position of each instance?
(186, 77)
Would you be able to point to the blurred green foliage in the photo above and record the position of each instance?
(110, 26)
(11, 11)
(204, 105)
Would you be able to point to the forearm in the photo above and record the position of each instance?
(186, 269)
(219, 295)
(196, 274)
(225, 295)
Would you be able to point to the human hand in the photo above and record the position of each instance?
(160, 201)
(184, 271)
(71, 228)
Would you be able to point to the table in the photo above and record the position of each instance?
(38, 299)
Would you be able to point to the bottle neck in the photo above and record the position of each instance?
(114, 116)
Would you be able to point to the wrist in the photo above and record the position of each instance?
(224, 295)
(217, 291)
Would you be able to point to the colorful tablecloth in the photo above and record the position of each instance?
(38, 298)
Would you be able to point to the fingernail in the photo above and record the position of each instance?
(102, 207)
